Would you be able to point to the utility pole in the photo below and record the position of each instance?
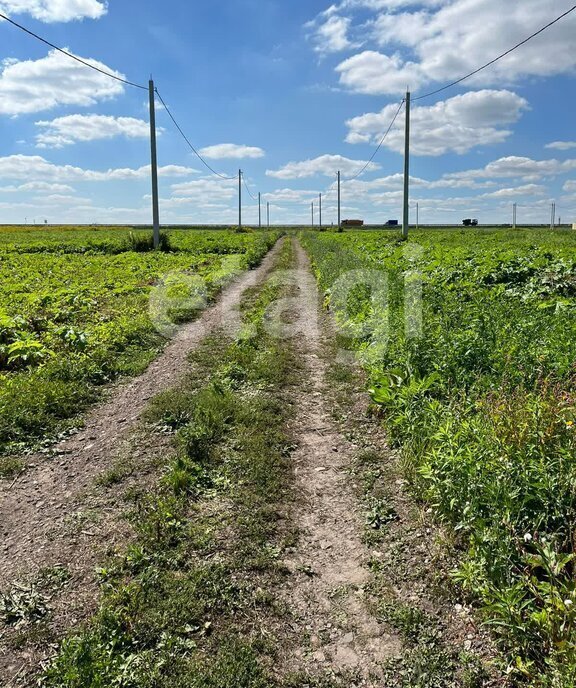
(406, 216)
(312, 213)
(552, 215)
(514, 212)
(268, 214)
(154, 166)
(320, 210)
(339, 216)
(259, 210)
(239, 199)
(417, 215)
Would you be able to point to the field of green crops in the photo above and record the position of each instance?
(74, 313)
(482, 407)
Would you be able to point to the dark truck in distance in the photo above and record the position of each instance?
(352, 223)
(470, 223)
(392, 223)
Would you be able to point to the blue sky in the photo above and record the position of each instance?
(290, 92)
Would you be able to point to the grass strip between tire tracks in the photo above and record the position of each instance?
(183, 605)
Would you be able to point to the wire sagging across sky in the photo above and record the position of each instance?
(116, 78)
(496, 59)
(196, 153)
(379, 146)
(70, 55)
(247, 188)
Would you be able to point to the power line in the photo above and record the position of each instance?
(496, 59)
(247, 189)
(196, 153)
(73, 57)
(349, 179)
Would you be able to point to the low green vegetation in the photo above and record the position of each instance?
(189, 604)
(74, 312)
(482, 405)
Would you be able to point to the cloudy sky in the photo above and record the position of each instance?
(291, 92)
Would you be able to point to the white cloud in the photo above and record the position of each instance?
(290, 196)
(373, 73)
(384, 4)
(61, 200)
(525, 190)
(206, 190)
(561, 145)
(222, 151)
(569, 186)
(517, 167)
(43, 187)
(56, 10)
(394, 182)
(458, 124)
(330, 33)
(435, 42)
(327, 165)
(34, 167)
(65, 131)
(55, 80)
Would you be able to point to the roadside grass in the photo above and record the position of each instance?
(11, 466)
(189, 602)
(482, 409)
(403, 578)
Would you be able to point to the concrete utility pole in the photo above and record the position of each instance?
(239, 199)
(552, 215)
(259, 210)
(268, 214)
(339, 216)
(312, 213)
(320, 210)
(154, 164)
(406, 215)
(514, 212)
(417, 215)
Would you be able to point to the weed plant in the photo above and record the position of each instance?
(483, 407)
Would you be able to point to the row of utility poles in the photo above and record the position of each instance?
(259, 205)
(406, 195)
(552, 215)
(155, 196)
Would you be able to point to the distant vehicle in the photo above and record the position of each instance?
(392, 223)
(470, 223)
(352, 223)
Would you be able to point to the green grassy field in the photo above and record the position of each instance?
(469, 341)
(483, 408)
(74, 312)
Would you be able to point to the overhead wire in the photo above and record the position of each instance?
(196, 153)
(378, 147)
(247, 189)
(116, 78)
(496, 59)
(70, 55)
(227, 178)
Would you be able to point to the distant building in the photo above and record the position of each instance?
(352, 223)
